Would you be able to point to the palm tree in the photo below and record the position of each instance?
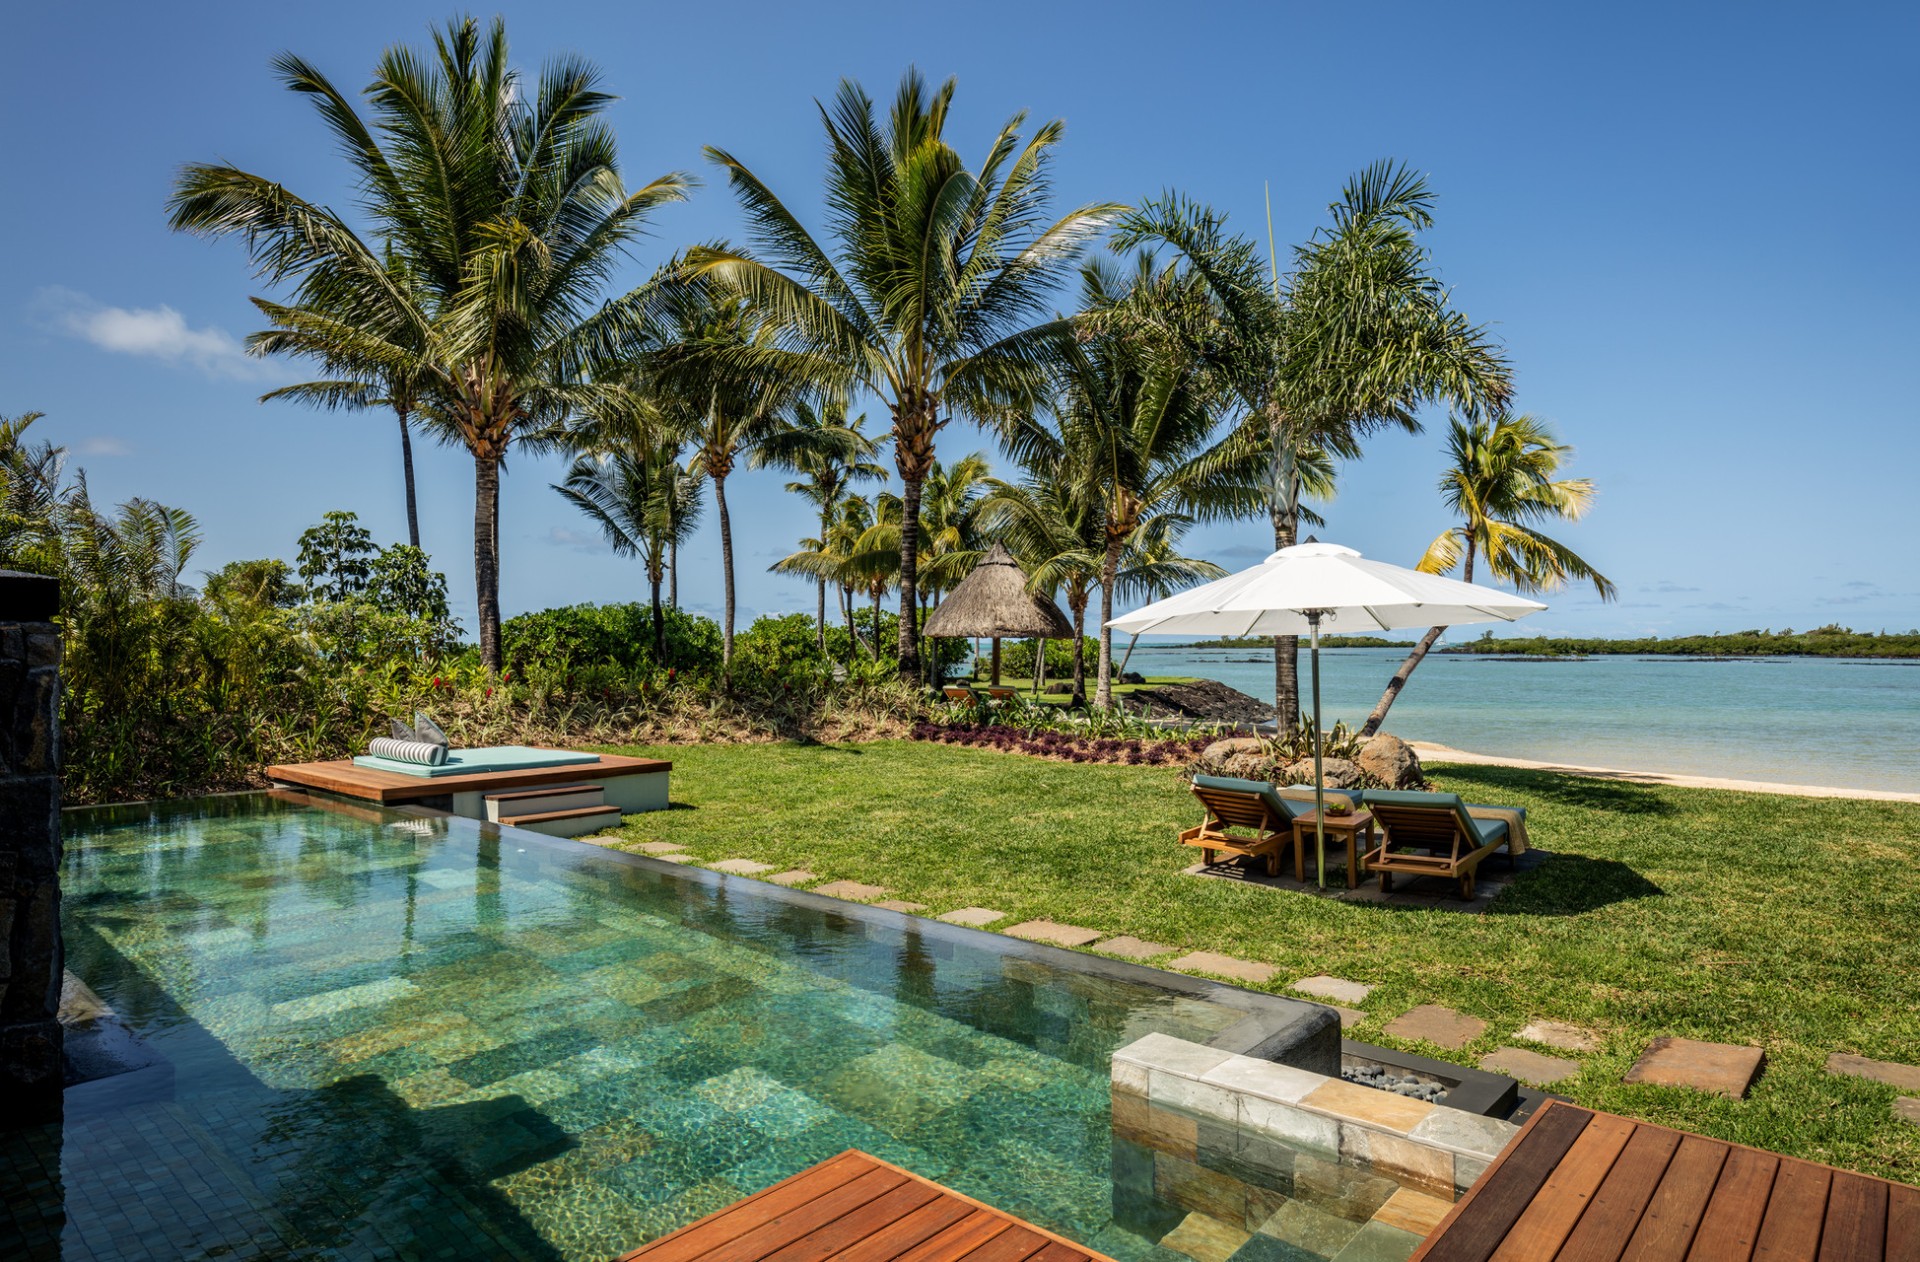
(830, 455)
(505, 207)
(950, 537)
(645, 503)
(1499, 478)
(1134, 431)
(30, 477)
(835, 558)
(928, 292)
(1356, 338)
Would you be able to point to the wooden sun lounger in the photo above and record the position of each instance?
(1430, 834)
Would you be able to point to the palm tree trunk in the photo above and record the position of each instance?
(1286, 648)
(406, 467)
(1078, 606)
(909, 577)
(673, 574)
(826, 523)
(1420, 651)
(659, 619)
(726, 568)
(876, 590)
(853, 636)
(486, 556)
(1109, 574)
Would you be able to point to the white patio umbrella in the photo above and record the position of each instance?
(1297, 589)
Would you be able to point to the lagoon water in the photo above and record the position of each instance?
(1821, 721)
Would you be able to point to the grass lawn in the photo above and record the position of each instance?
(1793, 923)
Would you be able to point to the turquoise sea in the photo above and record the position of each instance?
(1819, 721)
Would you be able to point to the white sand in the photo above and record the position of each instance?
(1429, 751)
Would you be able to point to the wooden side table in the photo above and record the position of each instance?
(1350, 829)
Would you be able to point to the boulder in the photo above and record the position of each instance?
(1252, 765)
(1338, 773)
(1392, 762)
(1132, 677)
(1220, 751)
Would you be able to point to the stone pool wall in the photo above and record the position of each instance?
(30, 949)
(1256, 1148)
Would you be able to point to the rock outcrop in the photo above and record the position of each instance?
(1392, 762)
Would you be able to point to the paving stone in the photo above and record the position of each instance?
(1057, 934)
(1894, 1074)
(1133, 948)
(674, 858)
(1413, 1211)
(1676, 1062)
(973, 917)
(1204, 1239)
(1309, 1229)
(1541, 1071)
(741, 867)
(1377, 1242)
(1336, 988)
(659, 847)
(895, 904)
(1568, 1038)
(1434, 1024)
(1349, 1017)
(1224, 966)
(854, 890)
(1907, 1109)
(798, 876)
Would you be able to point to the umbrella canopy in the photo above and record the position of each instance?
(993, 603)
(1339, 585)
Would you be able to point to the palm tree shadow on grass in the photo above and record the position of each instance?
(1499, 784)
(1570, 885)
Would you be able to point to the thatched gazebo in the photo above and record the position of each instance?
(993, 602)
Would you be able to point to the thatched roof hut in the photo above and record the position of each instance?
(993, 603)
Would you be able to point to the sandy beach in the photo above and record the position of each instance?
(1431, 752)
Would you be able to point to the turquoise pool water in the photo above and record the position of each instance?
(395, 1037)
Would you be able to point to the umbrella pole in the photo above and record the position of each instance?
(1319, 780)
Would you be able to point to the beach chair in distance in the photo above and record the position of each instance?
(1430, 834)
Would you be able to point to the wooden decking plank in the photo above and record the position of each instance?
(1856, 1229)
(960, 1239)
(1547, 1222)
(1061, 1252)
(864, 1221)
(1015, 1244)
(1611, 1218)
(1475, 1226)
(1673, 1216)
(922, 1224)
(1791, 1230)
(1903, 1223)
(1731, 1225)
(742, 1216)
(780, 1230)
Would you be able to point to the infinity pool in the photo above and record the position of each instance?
(401, 1037)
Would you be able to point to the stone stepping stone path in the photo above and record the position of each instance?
(1056, 934)
(1338, 989)
(853, 891)
(798, 876)
(1133, 948)
(1225, 966)
(900, 905)
(1349, 1017)
(741, 867)
(973, 917)
(674, 858)
(1568, 1038)
(1725, 1068)
(1434, 1024)
(1907, 1109)
(1530, 1067)
(659, 847)
(1894, 1074)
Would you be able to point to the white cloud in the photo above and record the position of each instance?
(578, 540)
(153, 333)
(102, 445)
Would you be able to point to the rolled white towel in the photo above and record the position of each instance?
(408, 751)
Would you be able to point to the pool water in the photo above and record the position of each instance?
(398, 1037)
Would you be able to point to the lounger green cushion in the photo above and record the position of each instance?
(1280, 806)
(1352, 797)
(468, 762)
(1487, 830)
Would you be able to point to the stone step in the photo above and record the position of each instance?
(548, 797)
(573, 822)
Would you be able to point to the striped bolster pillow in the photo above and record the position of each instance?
(408, 751)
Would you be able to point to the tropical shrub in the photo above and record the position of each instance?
(619, 635)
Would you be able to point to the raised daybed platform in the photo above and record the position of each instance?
(628, 784)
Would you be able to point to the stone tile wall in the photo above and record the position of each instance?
(30, 951)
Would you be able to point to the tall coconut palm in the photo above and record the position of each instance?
(1353, 339)
(836, 558)
(504, 204)
(645, 503)
(950, 538)
(831, 455)
(1500, 477)
(929, 289)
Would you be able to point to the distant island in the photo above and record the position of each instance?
(1326, 642)
(1827, 641)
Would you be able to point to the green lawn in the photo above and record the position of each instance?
(1739, 918)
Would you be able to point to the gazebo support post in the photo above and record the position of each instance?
(996, 661)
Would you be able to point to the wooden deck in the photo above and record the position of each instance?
(385, 787)
(857, 1208)
(1582, 1185)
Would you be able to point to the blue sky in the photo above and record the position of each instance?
(1689, 224)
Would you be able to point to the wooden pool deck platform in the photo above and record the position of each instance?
(1576, 1184)
(388, 788)
(857, 1208)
